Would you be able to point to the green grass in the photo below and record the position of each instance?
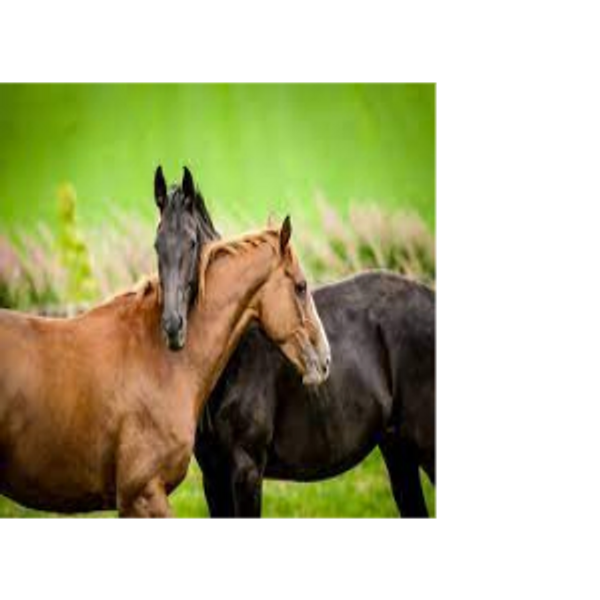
(362, 492)
(254, 148)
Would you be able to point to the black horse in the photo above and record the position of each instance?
(261, 421)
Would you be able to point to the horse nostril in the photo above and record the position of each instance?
(327, 365)
(172, 324)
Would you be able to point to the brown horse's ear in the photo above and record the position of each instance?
(160, 188)
(188, 185)
(285, 234)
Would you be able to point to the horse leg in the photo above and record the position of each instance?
(402, 463)
(149, 501)
(216, 477)
(217, 490)
(246, 483)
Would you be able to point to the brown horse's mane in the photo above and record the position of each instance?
(146, 288)
(232, 247)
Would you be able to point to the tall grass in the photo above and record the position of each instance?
(369, 237)
(51, 272)
(31, 275)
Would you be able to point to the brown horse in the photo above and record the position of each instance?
(96, 413)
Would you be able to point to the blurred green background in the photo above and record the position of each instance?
(369, 150)
(253, 148)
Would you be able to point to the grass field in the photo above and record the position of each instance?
(362, 492)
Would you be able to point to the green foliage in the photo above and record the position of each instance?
(252, 148)
(42, 269)
(72, 250)
(6, 298)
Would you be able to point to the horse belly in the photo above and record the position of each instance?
(46, 475)
(328, 430)
(27, 488)
(31, 492)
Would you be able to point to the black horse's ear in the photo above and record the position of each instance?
(160, 188)
(285, 234)
(188, 184)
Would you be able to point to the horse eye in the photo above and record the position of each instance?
(301, 288)
(193, 244)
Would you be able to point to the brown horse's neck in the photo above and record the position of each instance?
(224, 311)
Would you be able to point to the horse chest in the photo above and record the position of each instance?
(175, 463)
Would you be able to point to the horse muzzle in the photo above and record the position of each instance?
(173, 328)
(317, 366)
